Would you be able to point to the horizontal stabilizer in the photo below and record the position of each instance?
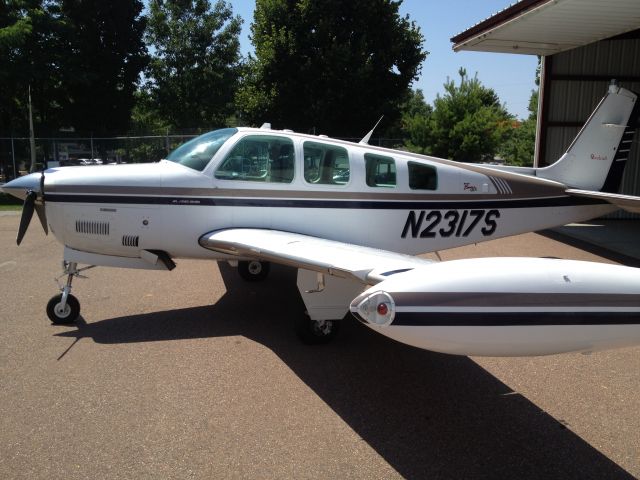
(625, 202)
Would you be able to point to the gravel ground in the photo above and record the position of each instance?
(195, 374)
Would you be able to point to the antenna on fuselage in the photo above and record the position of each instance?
(367, 137)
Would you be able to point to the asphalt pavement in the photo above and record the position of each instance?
(617, 237)
(196, 374)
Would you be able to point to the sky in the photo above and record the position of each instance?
(512, 76)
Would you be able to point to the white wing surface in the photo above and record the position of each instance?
(625, 202)
(364, 264)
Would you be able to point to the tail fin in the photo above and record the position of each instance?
(596, 158)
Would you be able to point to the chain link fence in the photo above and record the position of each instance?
(15, 152)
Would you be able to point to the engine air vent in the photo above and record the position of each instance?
(130, 240)
(92, 227)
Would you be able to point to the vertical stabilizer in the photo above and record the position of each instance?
(596, 158)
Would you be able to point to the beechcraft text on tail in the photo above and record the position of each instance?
(351, 217)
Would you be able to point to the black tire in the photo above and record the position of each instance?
(254, 271)
(70, 314)
(313, 332)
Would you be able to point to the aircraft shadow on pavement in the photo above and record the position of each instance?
(427, 414)
(614, 256)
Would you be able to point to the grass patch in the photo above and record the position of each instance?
(10, 208)
(7, 202)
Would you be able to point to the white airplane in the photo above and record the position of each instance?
(350, 217)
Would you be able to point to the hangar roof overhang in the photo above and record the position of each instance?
(545, 27)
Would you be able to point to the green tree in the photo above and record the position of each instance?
(15, 28)
(195, 65)
(329, 66)
(104, 56)
(30, 54)
(416, 115)
(468, 122)
(519, 146)
(82, 59)
(145, 118)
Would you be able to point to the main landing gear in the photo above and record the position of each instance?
(253, 270)
(312, 328)
(316, 332)
(64, 308)
(327, 300)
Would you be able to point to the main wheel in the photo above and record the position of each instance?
(66, 315)
(316, 332)
(253, 271)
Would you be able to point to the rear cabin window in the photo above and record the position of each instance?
(259, 158)
(380, 170)
(325, 164)
(422, 177)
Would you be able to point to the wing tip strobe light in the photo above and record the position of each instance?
(377, 308)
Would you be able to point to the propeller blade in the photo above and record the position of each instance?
(27, 213)
(42, 216)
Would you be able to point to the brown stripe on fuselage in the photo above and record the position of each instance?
(284, 193)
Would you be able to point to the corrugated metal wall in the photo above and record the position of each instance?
(574, 83)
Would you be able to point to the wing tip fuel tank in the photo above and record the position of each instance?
(507, 306)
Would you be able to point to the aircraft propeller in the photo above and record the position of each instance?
(42, 216)
(32, 202)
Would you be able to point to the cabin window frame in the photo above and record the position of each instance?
(271, 165)
(326, 170)
(415, 181)
(371, 177)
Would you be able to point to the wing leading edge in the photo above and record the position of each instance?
(363, 264)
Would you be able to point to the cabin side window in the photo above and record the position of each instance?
(259, 158)
(422, 177)
(380, 170)
(325, 164)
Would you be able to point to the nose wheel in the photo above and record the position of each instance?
(63, 313)
(64, 308)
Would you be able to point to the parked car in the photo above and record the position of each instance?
(80, 161)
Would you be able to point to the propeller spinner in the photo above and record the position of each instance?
(30, 188)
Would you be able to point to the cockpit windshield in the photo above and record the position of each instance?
(198, 152)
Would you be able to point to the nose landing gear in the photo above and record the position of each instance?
(64, 308)
(63, 311)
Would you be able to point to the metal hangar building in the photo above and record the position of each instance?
(583, 45)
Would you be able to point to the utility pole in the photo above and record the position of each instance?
(32, 140)
(13, 157)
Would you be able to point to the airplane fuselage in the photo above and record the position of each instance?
(121, 210)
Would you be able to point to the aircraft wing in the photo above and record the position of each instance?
(625, 202)
(364, 264)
